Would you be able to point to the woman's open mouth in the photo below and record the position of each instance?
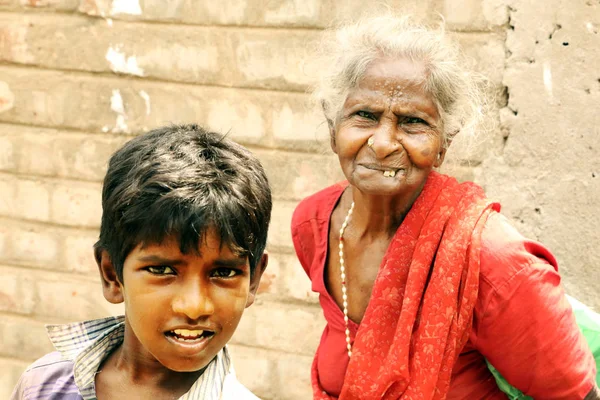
(387, 171)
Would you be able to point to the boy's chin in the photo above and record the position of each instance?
(187, 366)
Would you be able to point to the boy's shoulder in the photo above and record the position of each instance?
(49, 361)
(51, 371)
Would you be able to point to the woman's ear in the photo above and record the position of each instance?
(440, 157)
(111, 286)
(255, 279)
(447, 141)
(331, 136)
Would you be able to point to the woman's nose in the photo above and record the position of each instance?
(385, 139)
(194, 301)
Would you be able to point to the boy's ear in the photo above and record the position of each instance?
(111, 287)
(255, 280)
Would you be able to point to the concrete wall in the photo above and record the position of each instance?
(79, 77)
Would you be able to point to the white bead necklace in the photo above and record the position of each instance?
(343, 275)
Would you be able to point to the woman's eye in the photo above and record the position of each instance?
(413, 120)
(365, 114)
(225, 273)
(161, 270)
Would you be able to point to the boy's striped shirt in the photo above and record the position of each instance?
(69, 373)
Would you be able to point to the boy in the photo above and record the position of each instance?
(182, 240)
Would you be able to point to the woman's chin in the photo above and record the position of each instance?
(387, 187)
(380, 184)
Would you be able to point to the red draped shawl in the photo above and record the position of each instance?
(421, 307)
(519, 296)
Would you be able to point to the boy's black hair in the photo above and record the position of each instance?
(183, 180)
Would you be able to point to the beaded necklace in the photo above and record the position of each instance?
(343, 276)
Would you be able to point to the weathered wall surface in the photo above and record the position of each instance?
(79, 77)
(547, 174)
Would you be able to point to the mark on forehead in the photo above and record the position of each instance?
(396, 92)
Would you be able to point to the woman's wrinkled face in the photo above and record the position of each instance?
(389, 135)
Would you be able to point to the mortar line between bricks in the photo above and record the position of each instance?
(43, 319)
(47, 178)
(147, 79)
(68, 130)
(281, 249)
(269, 350)
(31, 267)
(57, 179)
(292, 148)
(28, 223)
(52, 179)
(285, 300)
(267, 298)
(5, 358)
(175, 23)
(178, 23)
(50, 224)
(89, 278)
(499, 30)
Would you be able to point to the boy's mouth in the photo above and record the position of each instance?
(190, 335)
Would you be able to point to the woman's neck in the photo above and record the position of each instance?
(376, 216)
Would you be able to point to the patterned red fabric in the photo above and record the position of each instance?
(421, 308)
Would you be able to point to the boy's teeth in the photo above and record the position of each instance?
(186, 333)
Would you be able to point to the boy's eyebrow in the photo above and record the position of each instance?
(222, 262)
(160, 260)
(232, 262)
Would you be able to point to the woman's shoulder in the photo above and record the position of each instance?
(318, 205)
(511, 265)
(505, 252)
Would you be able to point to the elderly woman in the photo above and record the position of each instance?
(420, 278)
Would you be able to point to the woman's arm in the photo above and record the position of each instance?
(526, 327)
(594, 394)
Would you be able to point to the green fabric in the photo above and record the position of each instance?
(589, 323)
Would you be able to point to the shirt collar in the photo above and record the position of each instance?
(88, 344)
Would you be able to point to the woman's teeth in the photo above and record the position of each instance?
(391, 173)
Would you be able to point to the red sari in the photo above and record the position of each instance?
(421, 310)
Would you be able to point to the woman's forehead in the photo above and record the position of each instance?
(388, 82)
(395, 73)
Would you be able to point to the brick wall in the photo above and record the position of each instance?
(79, 77)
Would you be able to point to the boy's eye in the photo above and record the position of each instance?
(366, 114)
(160, 270)
(225, 273)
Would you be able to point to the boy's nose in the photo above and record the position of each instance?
(193, 301)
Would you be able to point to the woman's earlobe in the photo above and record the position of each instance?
(440, 158)
(111, 285)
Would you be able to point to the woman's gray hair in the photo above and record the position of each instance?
(345, 53)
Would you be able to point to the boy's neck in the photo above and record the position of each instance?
(129, 367)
